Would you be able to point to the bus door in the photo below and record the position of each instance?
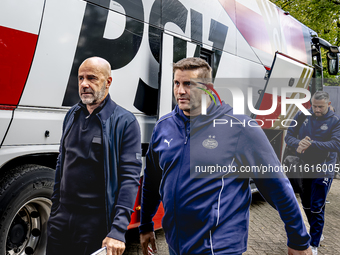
(285, 72)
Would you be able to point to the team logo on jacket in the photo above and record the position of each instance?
(305, 122)
(324, 127)
(210, 143)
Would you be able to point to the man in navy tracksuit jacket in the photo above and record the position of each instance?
(317, 143)
(208, 212)
(98, 170)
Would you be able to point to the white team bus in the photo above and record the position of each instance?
(43, 42)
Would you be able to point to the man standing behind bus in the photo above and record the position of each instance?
(317, 143)
(210, 215)
(98, 169)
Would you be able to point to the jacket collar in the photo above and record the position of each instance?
(104, 110)
(108, 109)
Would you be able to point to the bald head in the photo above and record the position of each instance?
(101, 64)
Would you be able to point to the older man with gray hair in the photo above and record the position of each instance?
(97, 172)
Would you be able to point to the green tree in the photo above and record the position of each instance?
(322, 16)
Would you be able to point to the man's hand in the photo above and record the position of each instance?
(113, 246)
(295, 252)
(304, 144)
(145, 239)
(301, 149)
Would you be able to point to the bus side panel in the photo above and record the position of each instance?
(268, 29)
(53, 59)
(18, 37)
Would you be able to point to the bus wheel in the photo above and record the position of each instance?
(25, 206)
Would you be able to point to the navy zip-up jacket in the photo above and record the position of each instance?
(122, 164)
(324, 132)
(210, 214)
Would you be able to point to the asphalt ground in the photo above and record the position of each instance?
(266, 230)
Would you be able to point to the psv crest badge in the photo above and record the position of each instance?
(324, 127)
(210, 143)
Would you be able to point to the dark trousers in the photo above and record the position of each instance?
(74, 231)
(313, 198)
(172, 252)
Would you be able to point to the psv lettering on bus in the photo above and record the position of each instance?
(122, 50)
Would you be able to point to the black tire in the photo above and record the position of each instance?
(25, 207)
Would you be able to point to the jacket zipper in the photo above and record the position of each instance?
(187, 132)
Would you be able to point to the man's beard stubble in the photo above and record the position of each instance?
(97, 96)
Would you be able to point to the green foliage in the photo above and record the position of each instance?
(322, 16)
